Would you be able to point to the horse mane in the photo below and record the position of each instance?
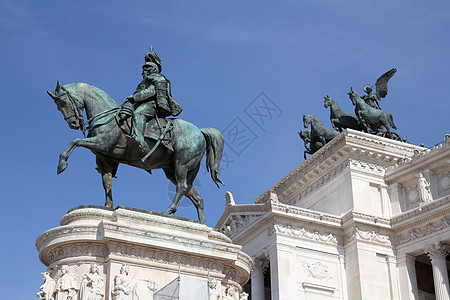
(79, 88)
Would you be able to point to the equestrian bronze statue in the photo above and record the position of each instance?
(138, 134)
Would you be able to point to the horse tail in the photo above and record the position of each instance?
(214, 150)
(391, 120)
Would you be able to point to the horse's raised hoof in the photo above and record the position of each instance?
(61, 167)
(109, 205)
(168, 212)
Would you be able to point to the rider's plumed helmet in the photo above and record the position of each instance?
(154, 58)
(150, 66)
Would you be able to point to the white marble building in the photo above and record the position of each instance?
(363, 218)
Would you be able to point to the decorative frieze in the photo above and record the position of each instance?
(237, 222)
(163, 256)
(357, 216)
(368, 236)
(75, 250)
(422, 231)
(306, 233)
(360, 165)
(305, 213)
(150, 234)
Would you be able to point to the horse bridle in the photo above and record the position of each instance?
(77, 112)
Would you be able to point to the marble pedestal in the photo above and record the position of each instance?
(138, 255)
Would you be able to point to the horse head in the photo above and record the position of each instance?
(305, 135)
(327, 101)
(68, 106)
(306, 120)
(353, 96)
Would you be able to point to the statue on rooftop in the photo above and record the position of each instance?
(318, 136)
(381, 89)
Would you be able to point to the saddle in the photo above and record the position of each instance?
(154, 129)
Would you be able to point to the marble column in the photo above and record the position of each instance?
(437, 254)
(257, 280)
(406, 265)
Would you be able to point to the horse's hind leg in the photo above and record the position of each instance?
(198, 202)
(179, 178)
(194, 196)
(106, 168)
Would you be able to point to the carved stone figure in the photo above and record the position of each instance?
(316, 270)
(424, 189)
(65, 285)
(230, 292)
(152, 98)
(176, 146)
(214, 293)
(47, 288)
(92, 286)
(381, 89)
(229, 199)
(243, 296)
(124, 285)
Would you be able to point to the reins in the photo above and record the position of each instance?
(94, 121)
(77, 111)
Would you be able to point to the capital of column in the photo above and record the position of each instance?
(436, 251)
(260, 265)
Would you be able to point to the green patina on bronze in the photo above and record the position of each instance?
(119, 134)
(368, 117)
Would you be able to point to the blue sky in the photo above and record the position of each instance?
(223, 58)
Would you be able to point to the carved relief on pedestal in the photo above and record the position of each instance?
(124, 285)
(230, 293)
(316, 270)
(47, 288)
(243, 296)
(214, 293)
(92, 285)
(65, 288)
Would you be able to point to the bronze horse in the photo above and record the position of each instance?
(371, 117)
(340, 119)
(112, 146)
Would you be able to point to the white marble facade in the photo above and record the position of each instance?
(126, 254)
(350, 223)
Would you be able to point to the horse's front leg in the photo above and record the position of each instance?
(93, 143)
(362, 122)
(107, 168)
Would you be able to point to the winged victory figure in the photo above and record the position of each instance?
(381, 89)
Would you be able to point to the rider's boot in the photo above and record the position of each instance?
(139, 122)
